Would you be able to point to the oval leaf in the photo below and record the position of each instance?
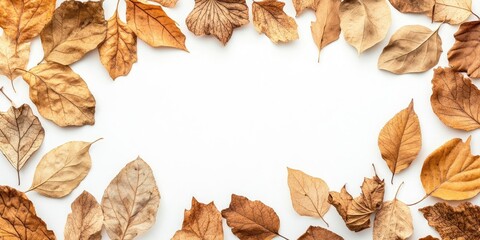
(413, 6)
(269, 18)
(463, 55)
(451, 11)
(393, 221)
(86, 220)
(13, 56)
(326, 29)
(318, 233)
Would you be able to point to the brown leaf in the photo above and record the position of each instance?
(393, 221)
(429, 237)
(413, 6)
(451, 172)
(463, 55)
(21, 135)
(455, 100)
(301, 5)
(318, 233)
(400, 140)
(269, 18)
(18, 219)
(203, 222)
(166, 3)
(217, 17)
(451, 11)
(119, 50)
(326, 29)
(76, 29)
(151, 24)
(60, 95)
(460, 222)
(86, 220)
(131, 201)
(251, 220)
(411, 49)
(13, 57)
(364, 22)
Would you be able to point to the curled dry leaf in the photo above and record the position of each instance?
(319, 233)
(119, 50)
(13, 56)
(76, 28)
(217, 17)
(451, 11)
(166, 3)
(326, 29)
(413, 6)
(18, 219)
(62, 169)
(463, 55)
(131, 201)
(269, 18)
(393, 221)
(151, 24)
(301, 5)
(202, 222)
(60, 95)
(451, 172)
(400, 140)
(429, 237)
(454, 222)
(86, 220)
(455, 100)
(364, 22)
(251, 220)
(411, 49)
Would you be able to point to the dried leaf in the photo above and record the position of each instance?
(166, 3)
(411, 49)
(463, 55)
(131, 201)
(326, 29)
(413, 6)
(301, 5)
(151, 24)
(21, 135)
(400, 140)
(60, 95)
(13, 57)
(217, 17)
(76, 29)
(393, 221)
(18, 219)
(318, 233)
(364, 22)
(451, 11)
(429, 237)
(460, 222)
(251, 220)
(119, 50)
(455, 100)
(451, 172)
(269, 18)
(86, 220)
(203, 222)
(62, 169)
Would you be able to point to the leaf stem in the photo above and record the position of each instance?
(4, 94)
(419, 201)
(278, 234)
(474, 14)
(18, 176)
(398, 189)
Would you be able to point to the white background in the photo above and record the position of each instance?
(230, 119)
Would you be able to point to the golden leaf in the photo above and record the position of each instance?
(400, 140)
(13, 57)
(451, 172)
(411, 49)
(393, 221)
(364, 22)
(18, 219)
(318, 233)
(76, 29)
(119, 50)
(131, 201)
(455, 100)
(217, 17)
(269, 18)
(85, 222)
(151, 24)
(251, 220)
(62, 169)
(301, 5)
(451, 11)
(463, 55)
(413, 6)
(202, 222)
(166, 3)
(60, 95)
(326, 29)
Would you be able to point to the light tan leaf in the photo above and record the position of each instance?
(251, 220)
(119, 50)
(60, 95)
(21, 135)
(451, 11)
(463, 55)
(166, 3)
(318, 233)
(451, 172)
(301, 5)
(13, 56)
(217, 17)
(76, 29)
(429, 237)
(151, 24)
(86, 219)
(411, 49)
(393, 221)
(309, 194)
(269, 18)
(326, 29)
(131, 201)
(18, 219)
(413, 6)
(455, 100)
(400, 140)
(62, 169)
(203, 222)
(364, 22)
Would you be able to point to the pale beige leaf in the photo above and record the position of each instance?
(131, 201)
(301, 5)
(86, 219)
(318, 233)
(413, 6)
(269, 18)
(463, 56)
(393, 221)
(166, 3)
(411, 49)
(13, 57)
(451, 11)
(326, 29)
